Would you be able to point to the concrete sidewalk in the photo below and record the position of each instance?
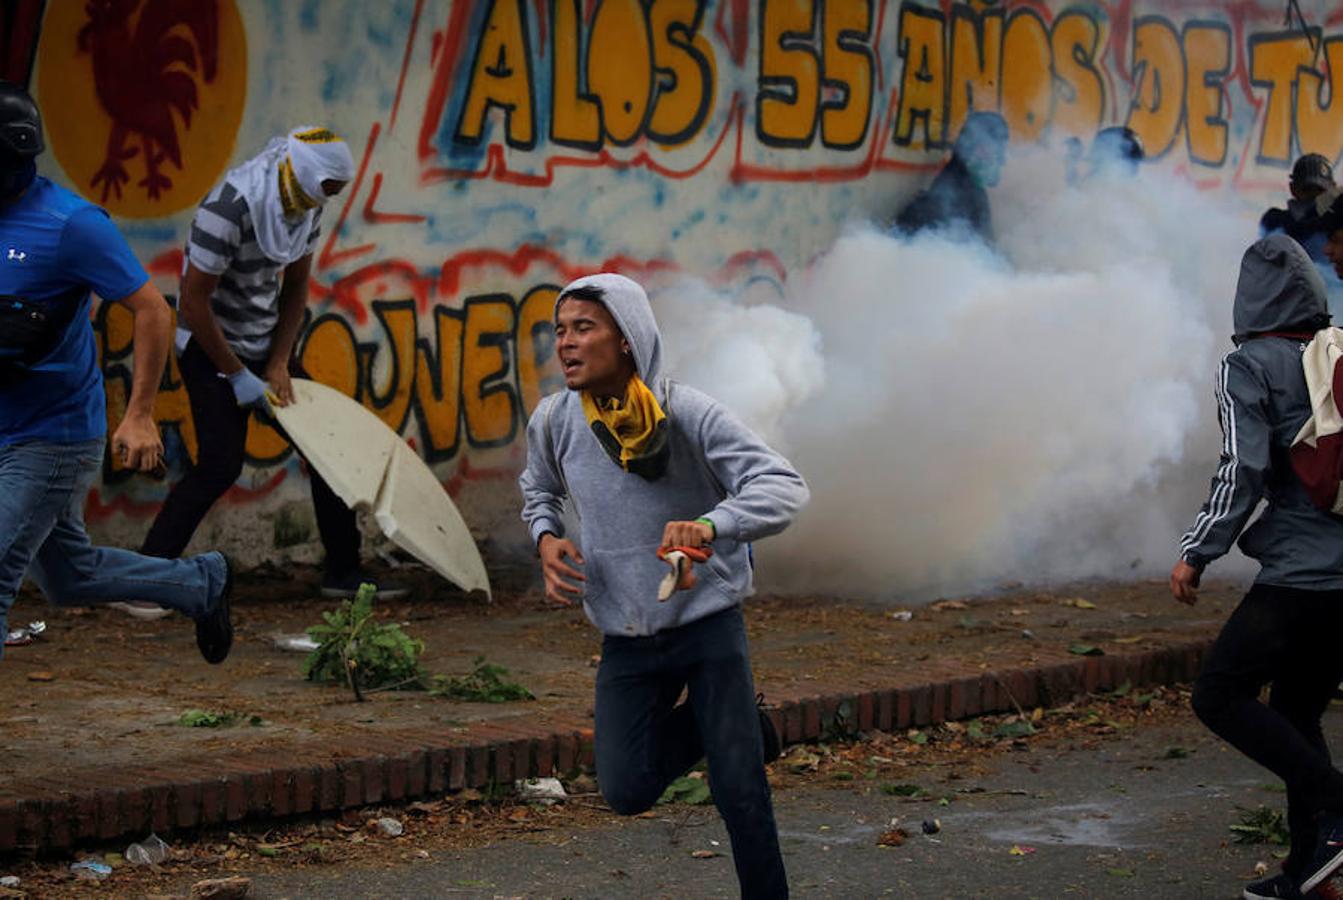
(94, 752)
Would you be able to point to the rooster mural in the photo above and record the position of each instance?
(142, 75)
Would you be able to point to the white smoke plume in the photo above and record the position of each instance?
(1037, 413)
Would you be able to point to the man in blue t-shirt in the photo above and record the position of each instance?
(54, 249)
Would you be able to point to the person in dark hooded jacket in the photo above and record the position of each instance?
(958, 194)
(1284, 631)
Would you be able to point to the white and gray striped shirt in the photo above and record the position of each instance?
(223, 242)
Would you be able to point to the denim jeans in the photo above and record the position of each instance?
(1288, 638)
(42, 491)
(221, 436)
(644, 741)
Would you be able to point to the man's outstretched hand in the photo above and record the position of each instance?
(560, 576)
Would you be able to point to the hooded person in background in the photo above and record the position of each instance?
(958, 196)
(1116, 151)
(1312, 187)
(244, 291)
(53, 409)
(1284, 632)
(652, 465)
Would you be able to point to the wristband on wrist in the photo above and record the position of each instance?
(707, 521)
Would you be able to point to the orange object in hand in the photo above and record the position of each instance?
(682, 574)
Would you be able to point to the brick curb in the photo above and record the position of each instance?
(407, 765)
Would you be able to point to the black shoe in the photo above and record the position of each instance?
(1274, 888)
(214, 630)
(769, 736)
(1328, 852)
(344, 587)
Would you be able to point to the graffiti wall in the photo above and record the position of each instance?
(505, 146)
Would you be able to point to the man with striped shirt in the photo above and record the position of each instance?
(1285, 632)
(243, 294)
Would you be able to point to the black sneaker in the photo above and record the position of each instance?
(769, 736)
(1278, 886)
(214, 630)
(1328, 852)
(344, 587)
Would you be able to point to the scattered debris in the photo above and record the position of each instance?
(1260, 869)
(1028, 634)
(1119, 873)
(1085, 650)
(1177, 753)
(299, 642)
(932, 826)
(902, 790)
(540, 790)
(486, 684)
(387, 826)
(10, 881)
(41, 676)
(1018, 850)
(91, 869)
(152, 851)
(1261, 825)
(942, 605)
(704, 854)
(216, 718)
(894, 837)
(902, 615)
(234, 888)
(20, 637)
(1079, 603)
(688, 789)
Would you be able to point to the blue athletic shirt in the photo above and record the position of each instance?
(54, 247)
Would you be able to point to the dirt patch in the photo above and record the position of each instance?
(118, 686)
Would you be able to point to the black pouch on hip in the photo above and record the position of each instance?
(28, 333)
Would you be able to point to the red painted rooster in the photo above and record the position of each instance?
(143, 74)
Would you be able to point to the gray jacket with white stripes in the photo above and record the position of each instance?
(1262, 402)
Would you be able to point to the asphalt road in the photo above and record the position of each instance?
(1122, 820)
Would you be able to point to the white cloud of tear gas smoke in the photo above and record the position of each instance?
(1037, 414)
(758, 359)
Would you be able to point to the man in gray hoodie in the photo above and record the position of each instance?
(1285, 631)
(651, 465)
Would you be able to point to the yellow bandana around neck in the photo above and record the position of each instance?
(292, 198)
(632, 424)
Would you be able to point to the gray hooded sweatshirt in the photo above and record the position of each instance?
(718, 469)
(1262, 402)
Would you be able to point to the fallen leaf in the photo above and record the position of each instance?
(222, 888)
(1132, 639)
(1018, 850)
(1086, 650)
(893, 838)
(1120, 873)
(950, 604)
(41, 676)
(705, 854)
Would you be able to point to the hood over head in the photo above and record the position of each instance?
(1279, 289)
(627, 303)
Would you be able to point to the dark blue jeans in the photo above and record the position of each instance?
(644, 741)
(43, 487)
(1288, 638)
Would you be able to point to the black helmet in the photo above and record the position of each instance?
(20, 123)
(1313, 171)
(1118, 142)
